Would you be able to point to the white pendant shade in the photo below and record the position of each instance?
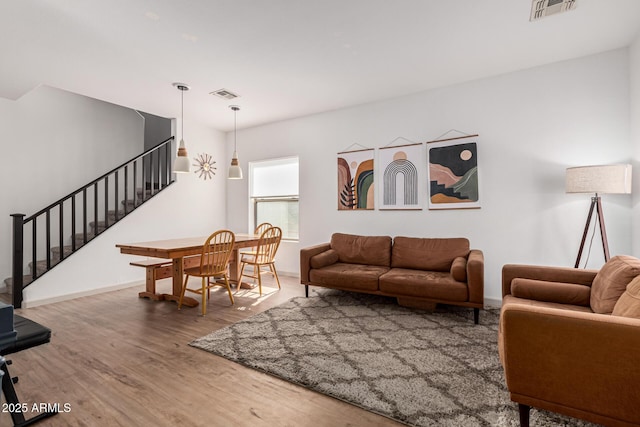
(235, 171)
(181, 163)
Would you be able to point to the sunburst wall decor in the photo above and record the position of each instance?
(205, 166)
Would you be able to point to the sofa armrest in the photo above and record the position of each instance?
(475, 276)
(305, 257)
(545, 273)
(576, 360)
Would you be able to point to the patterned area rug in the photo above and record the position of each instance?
(419, 368)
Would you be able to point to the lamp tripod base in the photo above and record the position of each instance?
(597, 204)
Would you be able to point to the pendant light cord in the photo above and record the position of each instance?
(235, 130)
(182, 114)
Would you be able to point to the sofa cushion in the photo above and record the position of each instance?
(348, 276)
(425, 284)
(459, 269)
(542, 290)
(628, 304)
(369, 250)
(324, 259)
(611, 282)
(427, 254)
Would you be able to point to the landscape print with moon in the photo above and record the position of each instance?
(453, 175)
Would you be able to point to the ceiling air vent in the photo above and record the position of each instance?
(225, 94)
(542, 8)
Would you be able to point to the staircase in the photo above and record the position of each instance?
(75, 220)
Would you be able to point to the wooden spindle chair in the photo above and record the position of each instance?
(264, 256)
(258, 231)
(213, 265)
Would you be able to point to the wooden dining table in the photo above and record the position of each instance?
(177, 249)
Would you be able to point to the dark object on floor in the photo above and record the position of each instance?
(7, 331)
(28, 334)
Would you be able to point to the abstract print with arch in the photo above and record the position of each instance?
(355, 180)
(400, 177)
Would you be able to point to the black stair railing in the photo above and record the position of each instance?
(85, 213)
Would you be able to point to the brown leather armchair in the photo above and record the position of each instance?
(560, 355)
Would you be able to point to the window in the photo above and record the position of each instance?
(274, 194)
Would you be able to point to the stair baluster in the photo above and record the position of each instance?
(155, 176)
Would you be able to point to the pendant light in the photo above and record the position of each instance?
(181, 163)
(235, 172)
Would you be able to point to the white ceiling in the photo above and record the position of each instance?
(285, 58)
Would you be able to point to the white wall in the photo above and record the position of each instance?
(532, 125)
(54, 142)
(190, 207)
(60, 141)
(634, 67)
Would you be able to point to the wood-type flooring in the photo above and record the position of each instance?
(118, 360)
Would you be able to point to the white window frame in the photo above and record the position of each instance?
(254, 200)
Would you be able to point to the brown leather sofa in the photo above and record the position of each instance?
(569, 340)
(419, 272)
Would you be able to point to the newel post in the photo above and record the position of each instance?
(18, 262)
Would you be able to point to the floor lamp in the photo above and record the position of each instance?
(604, 179)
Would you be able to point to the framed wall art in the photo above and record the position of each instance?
(401, 167)
(355, 180)
(453, 173)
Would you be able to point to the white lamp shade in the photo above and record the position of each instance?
(181, 163)
(235, 171)
(604, 179)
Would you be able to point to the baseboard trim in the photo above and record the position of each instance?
(488, 302)
(288, 273)
(492, 303)
(44, 301)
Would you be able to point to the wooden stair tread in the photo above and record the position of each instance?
(26, 279)
(68, 249)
